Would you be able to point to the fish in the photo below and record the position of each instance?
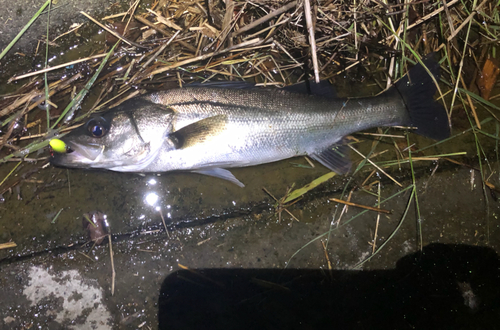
(209, 129)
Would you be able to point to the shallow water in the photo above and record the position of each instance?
(214, 224)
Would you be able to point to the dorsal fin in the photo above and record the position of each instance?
(310, 87)
(323, 88)
(224, 84)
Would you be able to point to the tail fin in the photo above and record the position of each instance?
(417, 90)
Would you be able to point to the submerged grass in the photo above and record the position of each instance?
(333, 229)
(77, 100)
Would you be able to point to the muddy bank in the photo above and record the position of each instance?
(247, 248)
(16, 14)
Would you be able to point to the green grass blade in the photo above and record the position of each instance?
(10, 173)
(479, 99)
(47, 103)
(26, 150)
(13, 42)
(346, 222)
(313, 184)
(34, 146)
(414, 193)
(454, 136)
(57, 215)
(79, 97)
(361, 263)
(417, 57)
(404, 161)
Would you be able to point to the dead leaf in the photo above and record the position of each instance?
(488, 77)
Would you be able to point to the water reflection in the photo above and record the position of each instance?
(152, 198)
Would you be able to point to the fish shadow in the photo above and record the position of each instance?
(442, 287)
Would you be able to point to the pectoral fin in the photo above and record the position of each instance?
(198, 132)
(335, 157)
(220, 173)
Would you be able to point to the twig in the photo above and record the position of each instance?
(7, 245)
(115, 16)
(272, 27)
(266, 18)
(165, 21)
(368, 178)
(326, 256)
(162, 48)
(164, 224)
(384, 135)
(378, 221)
(471, 104)
(405, 213)
(68, 32)
(128, 97)
(164, 32)
(35, 94)
(464, 23)
(35, 136)
(57, 215)
(205, 56)
(431, 15)
(226, 22)
(56, 67)
(281, 207)
(375, 165)
(356, 30)
(116, 34)
(130, 12)
(312, 39)
(448, 17)
(100, 106)
(113, 273)
(360, 206)
(345, 69)
(85, 255)
(345, 209)
(12, 124)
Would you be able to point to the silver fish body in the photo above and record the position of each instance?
(254, 127)
(207, 130)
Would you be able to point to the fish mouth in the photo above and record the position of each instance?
(91, 155)
(78, 156)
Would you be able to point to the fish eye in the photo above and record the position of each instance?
(96, 131)
(97, 127)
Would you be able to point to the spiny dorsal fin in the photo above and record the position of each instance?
(199, 131)
(323, 88)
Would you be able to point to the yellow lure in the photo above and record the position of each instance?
(58, 146)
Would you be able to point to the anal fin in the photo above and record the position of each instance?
(335, 157)
(221, 174)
